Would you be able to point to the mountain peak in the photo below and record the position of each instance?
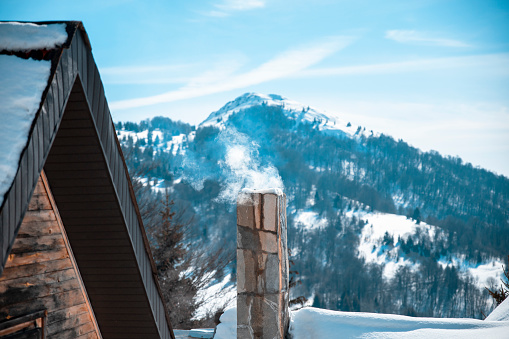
(292, 109)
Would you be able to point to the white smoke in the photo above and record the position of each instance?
(243, 167)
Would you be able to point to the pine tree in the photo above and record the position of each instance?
(503, 293)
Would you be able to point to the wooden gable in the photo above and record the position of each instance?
(73, 139)
(41, 275)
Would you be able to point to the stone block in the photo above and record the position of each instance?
(272, 274)
(245, 332)
(248, 210)
(248, 238)
(270, 212)
(268, 242)
(272, 316)
(247, 268)
(244, 306)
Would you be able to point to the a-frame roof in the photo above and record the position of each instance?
(72, 137)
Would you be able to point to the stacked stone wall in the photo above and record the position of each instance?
(262, 266)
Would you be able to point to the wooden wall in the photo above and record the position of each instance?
(41, 274)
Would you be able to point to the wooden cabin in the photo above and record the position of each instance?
(74, 258)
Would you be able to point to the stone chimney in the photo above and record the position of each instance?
(262, 265)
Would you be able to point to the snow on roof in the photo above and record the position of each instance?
(22, 84)
(17, 36)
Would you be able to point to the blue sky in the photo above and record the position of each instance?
(434, 73)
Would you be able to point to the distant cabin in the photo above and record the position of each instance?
(74, 258)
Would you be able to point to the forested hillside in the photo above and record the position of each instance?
(375, 224)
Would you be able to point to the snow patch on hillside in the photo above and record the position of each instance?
(371, 246)
(309, 220)
(485, 274)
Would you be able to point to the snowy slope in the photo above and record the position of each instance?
(293, 109)
(373, 250)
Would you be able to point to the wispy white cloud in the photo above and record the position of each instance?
(488, 62)
(240, 5)
(156, 74)
(227, 7)
(282, 66)
(414, 37)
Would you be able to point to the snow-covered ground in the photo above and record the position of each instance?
(315, 323)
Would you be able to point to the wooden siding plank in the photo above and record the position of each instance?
(80, 174)
(39, 202)
(78, 133)
(40, 143)
(83, 190)
(45, 124)
(92, 205)
(74, 141)
(118, 277)
(114, 285)
(17, 295)
(66, 72)
(127, 335)
(54, 302)
(85, 249)
(38, 244)
(36, 268)
(42, 215)
(64, 314)
(77, 108)
(102, 235)
(18, 202)
(60, 328)
(81, 59)
(74, 55)
(74, 331)
(41, 228)
(5, 234)
(91, 79)
(60, 86)
(74, 183)
(51, 116)
(25, 190)
(86, 198)
(30, 167)
(35, 257)
(71, 222)
(76, 124)
(90, 335)
(69, 166)
(93, 264)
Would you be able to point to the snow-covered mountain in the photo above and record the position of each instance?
(374, 224)
(292, 110)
